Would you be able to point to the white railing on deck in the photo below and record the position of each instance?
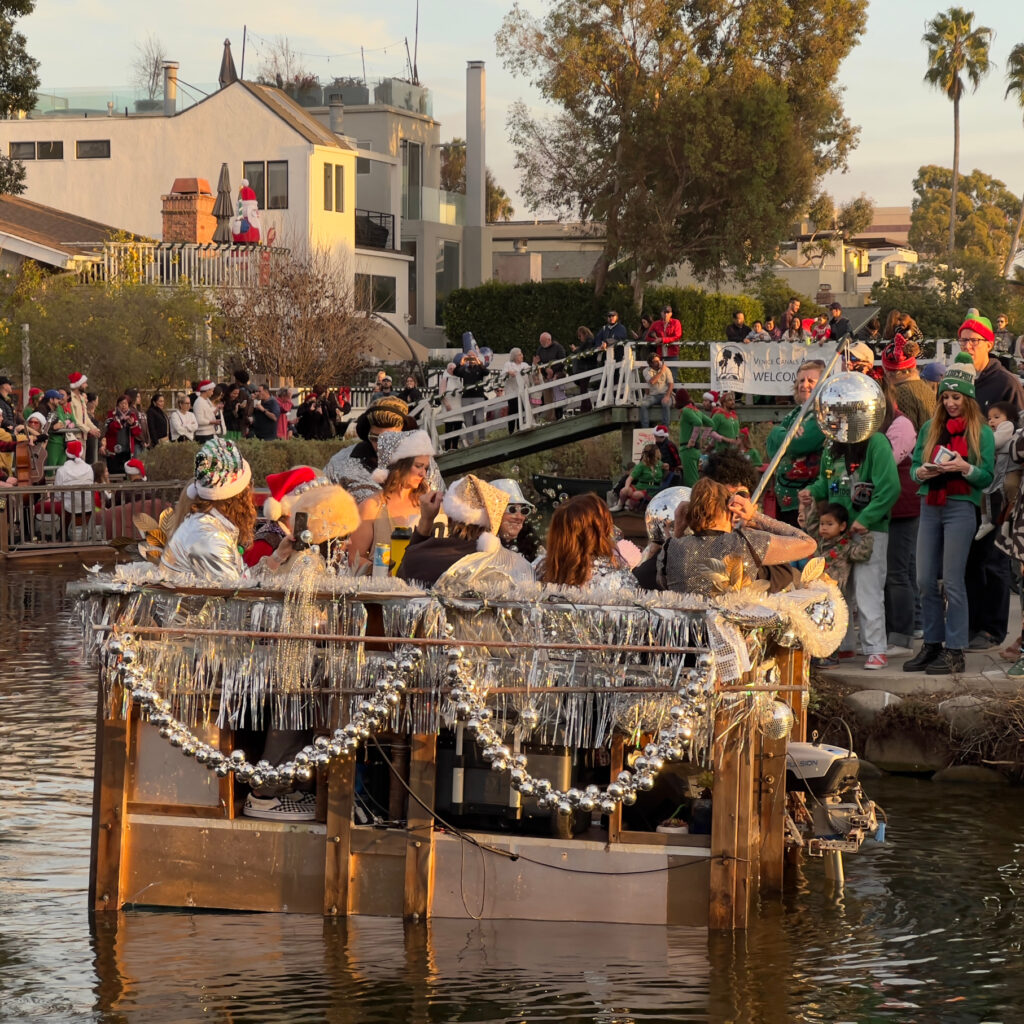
(174, 263)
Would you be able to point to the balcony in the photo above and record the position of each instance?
(437, 207)
(175, 263)
(375, 230)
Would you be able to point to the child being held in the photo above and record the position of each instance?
(838, 545)
(644, 480)
(1001, 419)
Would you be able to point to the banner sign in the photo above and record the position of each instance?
(762, 367)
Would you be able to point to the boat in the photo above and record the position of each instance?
(497, 753)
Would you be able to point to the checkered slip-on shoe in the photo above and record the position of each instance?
(287, 807)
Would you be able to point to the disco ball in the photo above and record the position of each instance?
(780, 724)
(850, 408)
(661, 512)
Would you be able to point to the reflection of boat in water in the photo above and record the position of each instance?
(497, 755)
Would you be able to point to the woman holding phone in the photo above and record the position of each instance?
(953, 461)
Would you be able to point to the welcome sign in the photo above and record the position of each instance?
(762, 367)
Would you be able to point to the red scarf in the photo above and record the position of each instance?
(954, 438)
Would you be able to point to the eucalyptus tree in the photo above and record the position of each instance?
(692, 130)
(956, 49)
(1015, 87)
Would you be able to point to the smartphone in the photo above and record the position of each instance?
(299, 527)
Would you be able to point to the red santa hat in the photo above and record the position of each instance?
(661, 430)
(34, 393)
(77, 380)
(73, 449)
(285, 487)
(245, 192)
(133, 467)
(205, 385)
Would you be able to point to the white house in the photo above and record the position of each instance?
(115, 169)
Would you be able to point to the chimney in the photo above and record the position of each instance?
(170, 88)
(476, 192)
(337, 116)
(188, 212)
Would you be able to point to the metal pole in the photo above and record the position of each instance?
(26, 371)
(841, 349)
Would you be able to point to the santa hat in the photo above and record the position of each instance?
(205, 385)
(710, 396)
(34, 393)
(133, 467)
(475, 502)
(404, 444)
(960, 376)
(73, 449)
(895, 356)
(979, 324)
(39, 417)
(661, 430)
(285, 487)
(77, 380)
(221, 472)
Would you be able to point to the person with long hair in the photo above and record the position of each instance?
(863, 477)
(727, 524)
(799, 466)
(581, 547)
(214, 519)
(953, 462)
(403, 470)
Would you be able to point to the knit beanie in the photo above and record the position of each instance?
(960, 376)
(900, 354)
(980, 325)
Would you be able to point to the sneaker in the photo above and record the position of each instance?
(981, 642)
(1016, 669)
(918, 634)
(617, 507)
(950, 663)
(286, 807)
(898, 651)
(984, 530)
(824, 662)
(876, 661)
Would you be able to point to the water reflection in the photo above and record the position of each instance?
(929, 927)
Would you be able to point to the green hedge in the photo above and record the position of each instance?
(506, 316)
(177, 461)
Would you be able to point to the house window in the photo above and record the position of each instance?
(363, 162)
(328, 187)
(412, 180)
(446, 278)
(93, 149)
(377, 293)
(277, 184)
(255, 172)
(49, 150)
(339, 188)
(22, 151)
(409, 248)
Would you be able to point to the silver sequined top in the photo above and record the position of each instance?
(205, 546)
(687, 558)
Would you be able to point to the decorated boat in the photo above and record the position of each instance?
(500, 753)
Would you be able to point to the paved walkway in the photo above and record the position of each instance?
(986, 671)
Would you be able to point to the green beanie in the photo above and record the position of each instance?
(960, 376)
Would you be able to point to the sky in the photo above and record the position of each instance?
(904, 123)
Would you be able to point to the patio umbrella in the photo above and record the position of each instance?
(224, 207)
(228, 74)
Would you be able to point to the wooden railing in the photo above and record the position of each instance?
(47, 518)
(173, 263)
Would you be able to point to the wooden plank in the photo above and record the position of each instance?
(109, 800)
(226, 744)
(772, 812)
(341, 777)
(175, 810)
(725, 798)
(618, 755)
(662, 839)
(746, 824)
(419, 858)
(794, 672)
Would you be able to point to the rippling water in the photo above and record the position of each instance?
(928, 929)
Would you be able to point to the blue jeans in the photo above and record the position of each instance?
(649, 402)
(944, 537)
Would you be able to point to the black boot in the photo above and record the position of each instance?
(924, 657)
(952, 663)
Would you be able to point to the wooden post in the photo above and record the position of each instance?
(341, 777)
(746, 825)
(772, 812)
(110, 797)
(723, 828)
(617, 759)
(419, 853)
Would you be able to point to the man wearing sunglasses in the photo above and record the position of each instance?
(514, 532)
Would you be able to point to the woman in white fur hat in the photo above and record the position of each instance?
(403, 466)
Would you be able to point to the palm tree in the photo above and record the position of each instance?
(1015, 85)
(956, 48)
